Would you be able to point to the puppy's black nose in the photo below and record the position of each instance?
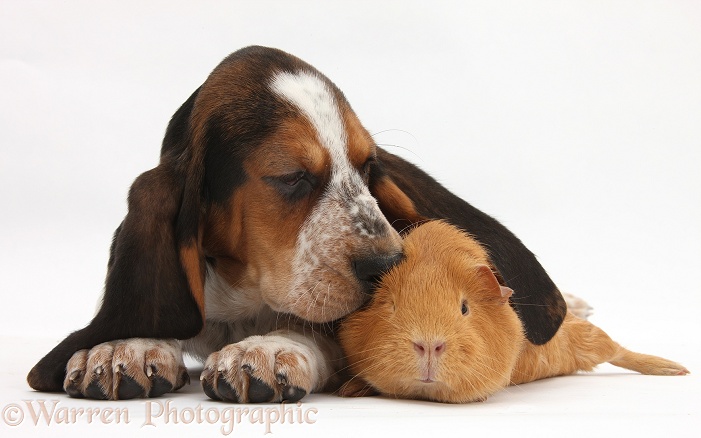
(369, 269)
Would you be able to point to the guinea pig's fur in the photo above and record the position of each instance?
(439, 328)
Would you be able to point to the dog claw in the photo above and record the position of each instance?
(293, 393)
(72, 388)
(183, 380)
(289, 393)
(75, 375)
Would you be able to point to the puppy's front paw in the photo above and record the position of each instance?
(126, 369)
(261, 369)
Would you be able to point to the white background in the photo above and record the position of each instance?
(577, 124)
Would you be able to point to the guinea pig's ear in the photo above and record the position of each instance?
(506, 293)
(499, 292)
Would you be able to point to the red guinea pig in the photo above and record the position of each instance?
(440, 327)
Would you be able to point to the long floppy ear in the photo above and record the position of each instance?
(408, 195)
(155, 276)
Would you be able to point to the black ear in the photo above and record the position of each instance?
(155, 275)
(408, 195)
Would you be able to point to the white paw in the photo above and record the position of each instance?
(126, 369)
(260, 369)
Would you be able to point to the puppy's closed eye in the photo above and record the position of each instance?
(294, 186)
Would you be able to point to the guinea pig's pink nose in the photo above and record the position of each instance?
(434, 348)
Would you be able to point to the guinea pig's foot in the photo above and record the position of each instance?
(577, 306)
(261, 369)
(356, 387)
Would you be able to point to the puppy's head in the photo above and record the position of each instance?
(285, 166)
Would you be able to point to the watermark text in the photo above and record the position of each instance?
(157, 412)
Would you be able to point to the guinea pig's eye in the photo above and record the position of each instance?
(464, 308)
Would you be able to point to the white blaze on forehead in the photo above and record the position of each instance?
(345, 221)
(312, 95)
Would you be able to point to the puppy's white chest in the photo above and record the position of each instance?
(231, 302)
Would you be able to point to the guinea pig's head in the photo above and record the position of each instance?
(439, 326)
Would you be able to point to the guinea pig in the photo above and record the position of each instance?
(439, 327)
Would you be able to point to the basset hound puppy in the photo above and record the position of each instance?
(269, 216)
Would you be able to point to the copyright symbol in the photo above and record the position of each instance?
(12, 414)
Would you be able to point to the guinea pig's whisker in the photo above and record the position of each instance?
(520, 297)
(513, 385)
(530, 304)
(413, 225)
(371, 358)
(401, 219)
(480, 365)
(376, 368)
